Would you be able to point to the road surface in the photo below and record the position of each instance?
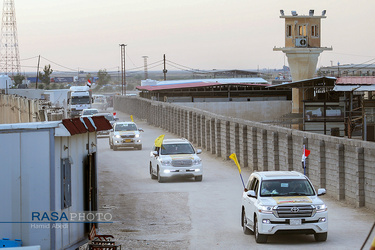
(184, 214)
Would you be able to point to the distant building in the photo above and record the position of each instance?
(213, 90)
(348, 70)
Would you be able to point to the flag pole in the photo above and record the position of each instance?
(243, 184)
(304, 160)
(234, 158)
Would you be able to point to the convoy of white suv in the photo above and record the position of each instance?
(273, 202)
(283, 202)
(175, 158)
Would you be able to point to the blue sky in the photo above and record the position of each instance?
(199, 34)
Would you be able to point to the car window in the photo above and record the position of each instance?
(109, 117)
(287, 187)
(256, 186)
(125, 127)
(172, 149)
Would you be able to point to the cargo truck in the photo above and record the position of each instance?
(79, 98)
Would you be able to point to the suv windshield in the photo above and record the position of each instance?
(290, 187)
(109, 117)
(125, 127)
(172, 149)
(89, 112)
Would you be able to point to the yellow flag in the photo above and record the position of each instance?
(234, 158)
(131, 117)
(159, 141)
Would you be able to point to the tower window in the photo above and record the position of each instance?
(314, 31)
(289, 31)
(302, 30)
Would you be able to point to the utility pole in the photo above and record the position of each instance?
(145, 66)
(10, 57)
(164, 70)
(123, 73)
(37, 74)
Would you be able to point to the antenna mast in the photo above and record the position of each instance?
(9, 51)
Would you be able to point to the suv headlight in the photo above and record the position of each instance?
(265, 209)
(136, 135)
(321, 208)
(197, 161)
(166, 162)
(117, 136)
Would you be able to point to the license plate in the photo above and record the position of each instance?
(182, 170)
(295, 222)
(128, 140)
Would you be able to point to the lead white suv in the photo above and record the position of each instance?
(283, 202)
(175, 157)
(125, 134)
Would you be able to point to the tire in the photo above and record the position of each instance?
(259, 238)
(160, 179)
(198, 178)
(320, 236)
(110, 145)
(151, 174)
(245, 229)
(114, 148)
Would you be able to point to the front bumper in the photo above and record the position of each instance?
(269, 224)
(122, 142)
(191, 171)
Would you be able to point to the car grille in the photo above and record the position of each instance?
(127, 136)
(294, 211)
(182, 163)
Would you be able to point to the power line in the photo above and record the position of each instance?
(189, 68)
(58, 64)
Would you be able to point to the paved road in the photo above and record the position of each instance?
(184, 214)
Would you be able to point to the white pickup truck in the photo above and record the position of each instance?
(283, 202)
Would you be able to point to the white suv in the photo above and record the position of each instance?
(175, 157)
(283, 202)
(125, 134)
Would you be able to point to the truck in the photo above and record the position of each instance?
(79, 98)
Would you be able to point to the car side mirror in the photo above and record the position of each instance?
(141, 130)
(116, 119)
(251, 193)
(321, 191)
(199, 151)
(155, 153)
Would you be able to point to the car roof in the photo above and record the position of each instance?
(125, 123)
(90, 109)
(176, 140)
(99, 114)
(274, 175)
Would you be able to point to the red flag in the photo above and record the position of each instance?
(307, 152)
(89, 83)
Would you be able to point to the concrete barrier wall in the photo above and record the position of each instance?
(253, 111)
(345, 167)
(16, 109)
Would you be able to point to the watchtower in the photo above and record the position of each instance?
(302, 47)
